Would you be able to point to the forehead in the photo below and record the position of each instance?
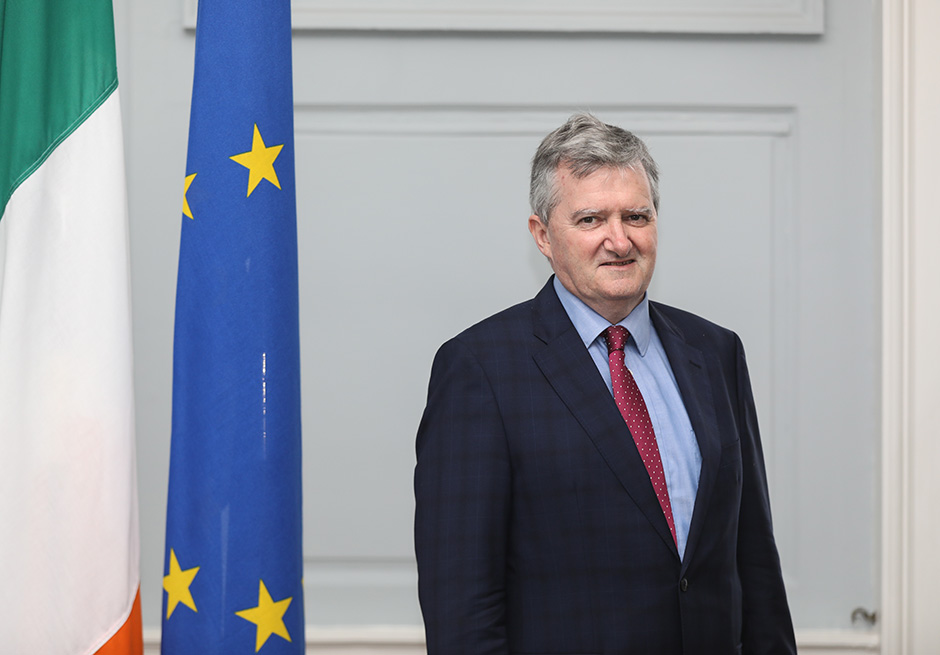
(612, 182)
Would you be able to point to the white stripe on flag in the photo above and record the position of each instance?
(68, 491)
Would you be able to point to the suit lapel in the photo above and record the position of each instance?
(691, 372)
(568, 367)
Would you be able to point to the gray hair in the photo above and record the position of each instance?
(585, 144)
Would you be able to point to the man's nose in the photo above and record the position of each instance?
(618, 237)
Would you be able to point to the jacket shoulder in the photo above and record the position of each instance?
(691, 327)
(515, 319)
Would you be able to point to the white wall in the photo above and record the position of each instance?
(412, 158)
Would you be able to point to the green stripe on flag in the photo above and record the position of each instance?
(46, 89)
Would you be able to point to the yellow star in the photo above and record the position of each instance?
(268, 616)
(186, 184)
(259, 161)
(177, 584)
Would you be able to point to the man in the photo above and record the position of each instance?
(589, 475)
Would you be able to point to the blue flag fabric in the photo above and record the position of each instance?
(233, 562)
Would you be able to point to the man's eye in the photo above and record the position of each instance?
(587, 220)
(638, 218)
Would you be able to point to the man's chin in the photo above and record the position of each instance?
(622, 293)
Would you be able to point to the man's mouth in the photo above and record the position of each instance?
(619, 262)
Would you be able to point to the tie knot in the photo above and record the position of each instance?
(616, 337)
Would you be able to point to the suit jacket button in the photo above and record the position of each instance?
(684, 584)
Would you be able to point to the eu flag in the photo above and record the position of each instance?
(233, 562)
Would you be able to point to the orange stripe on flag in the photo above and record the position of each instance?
(129, 639)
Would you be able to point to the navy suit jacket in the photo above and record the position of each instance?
(536, 526)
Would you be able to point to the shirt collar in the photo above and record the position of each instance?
(590, 324)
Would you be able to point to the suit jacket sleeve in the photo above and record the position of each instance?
(462, 495)
(766, 624)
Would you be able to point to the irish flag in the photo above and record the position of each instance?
(68, 499)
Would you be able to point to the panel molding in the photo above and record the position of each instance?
(333, 569)
(896, 438)
(910, 322)
(536, 120)
(778, 124)
(409, 640)
(635, 16)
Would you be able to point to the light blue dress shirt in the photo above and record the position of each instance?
(646, 359)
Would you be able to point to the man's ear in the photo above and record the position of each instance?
(540, 234)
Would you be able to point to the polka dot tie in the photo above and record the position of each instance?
(633, 409)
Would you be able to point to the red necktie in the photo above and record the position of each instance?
(633, 409)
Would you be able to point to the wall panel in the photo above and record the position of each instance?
(412, 159)
(697, 16)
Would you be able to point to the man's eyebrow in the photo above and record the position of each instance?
(602, 212)
(649, 211)
(586, 212)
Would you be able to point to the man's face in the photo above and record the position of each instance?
(601, 238)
